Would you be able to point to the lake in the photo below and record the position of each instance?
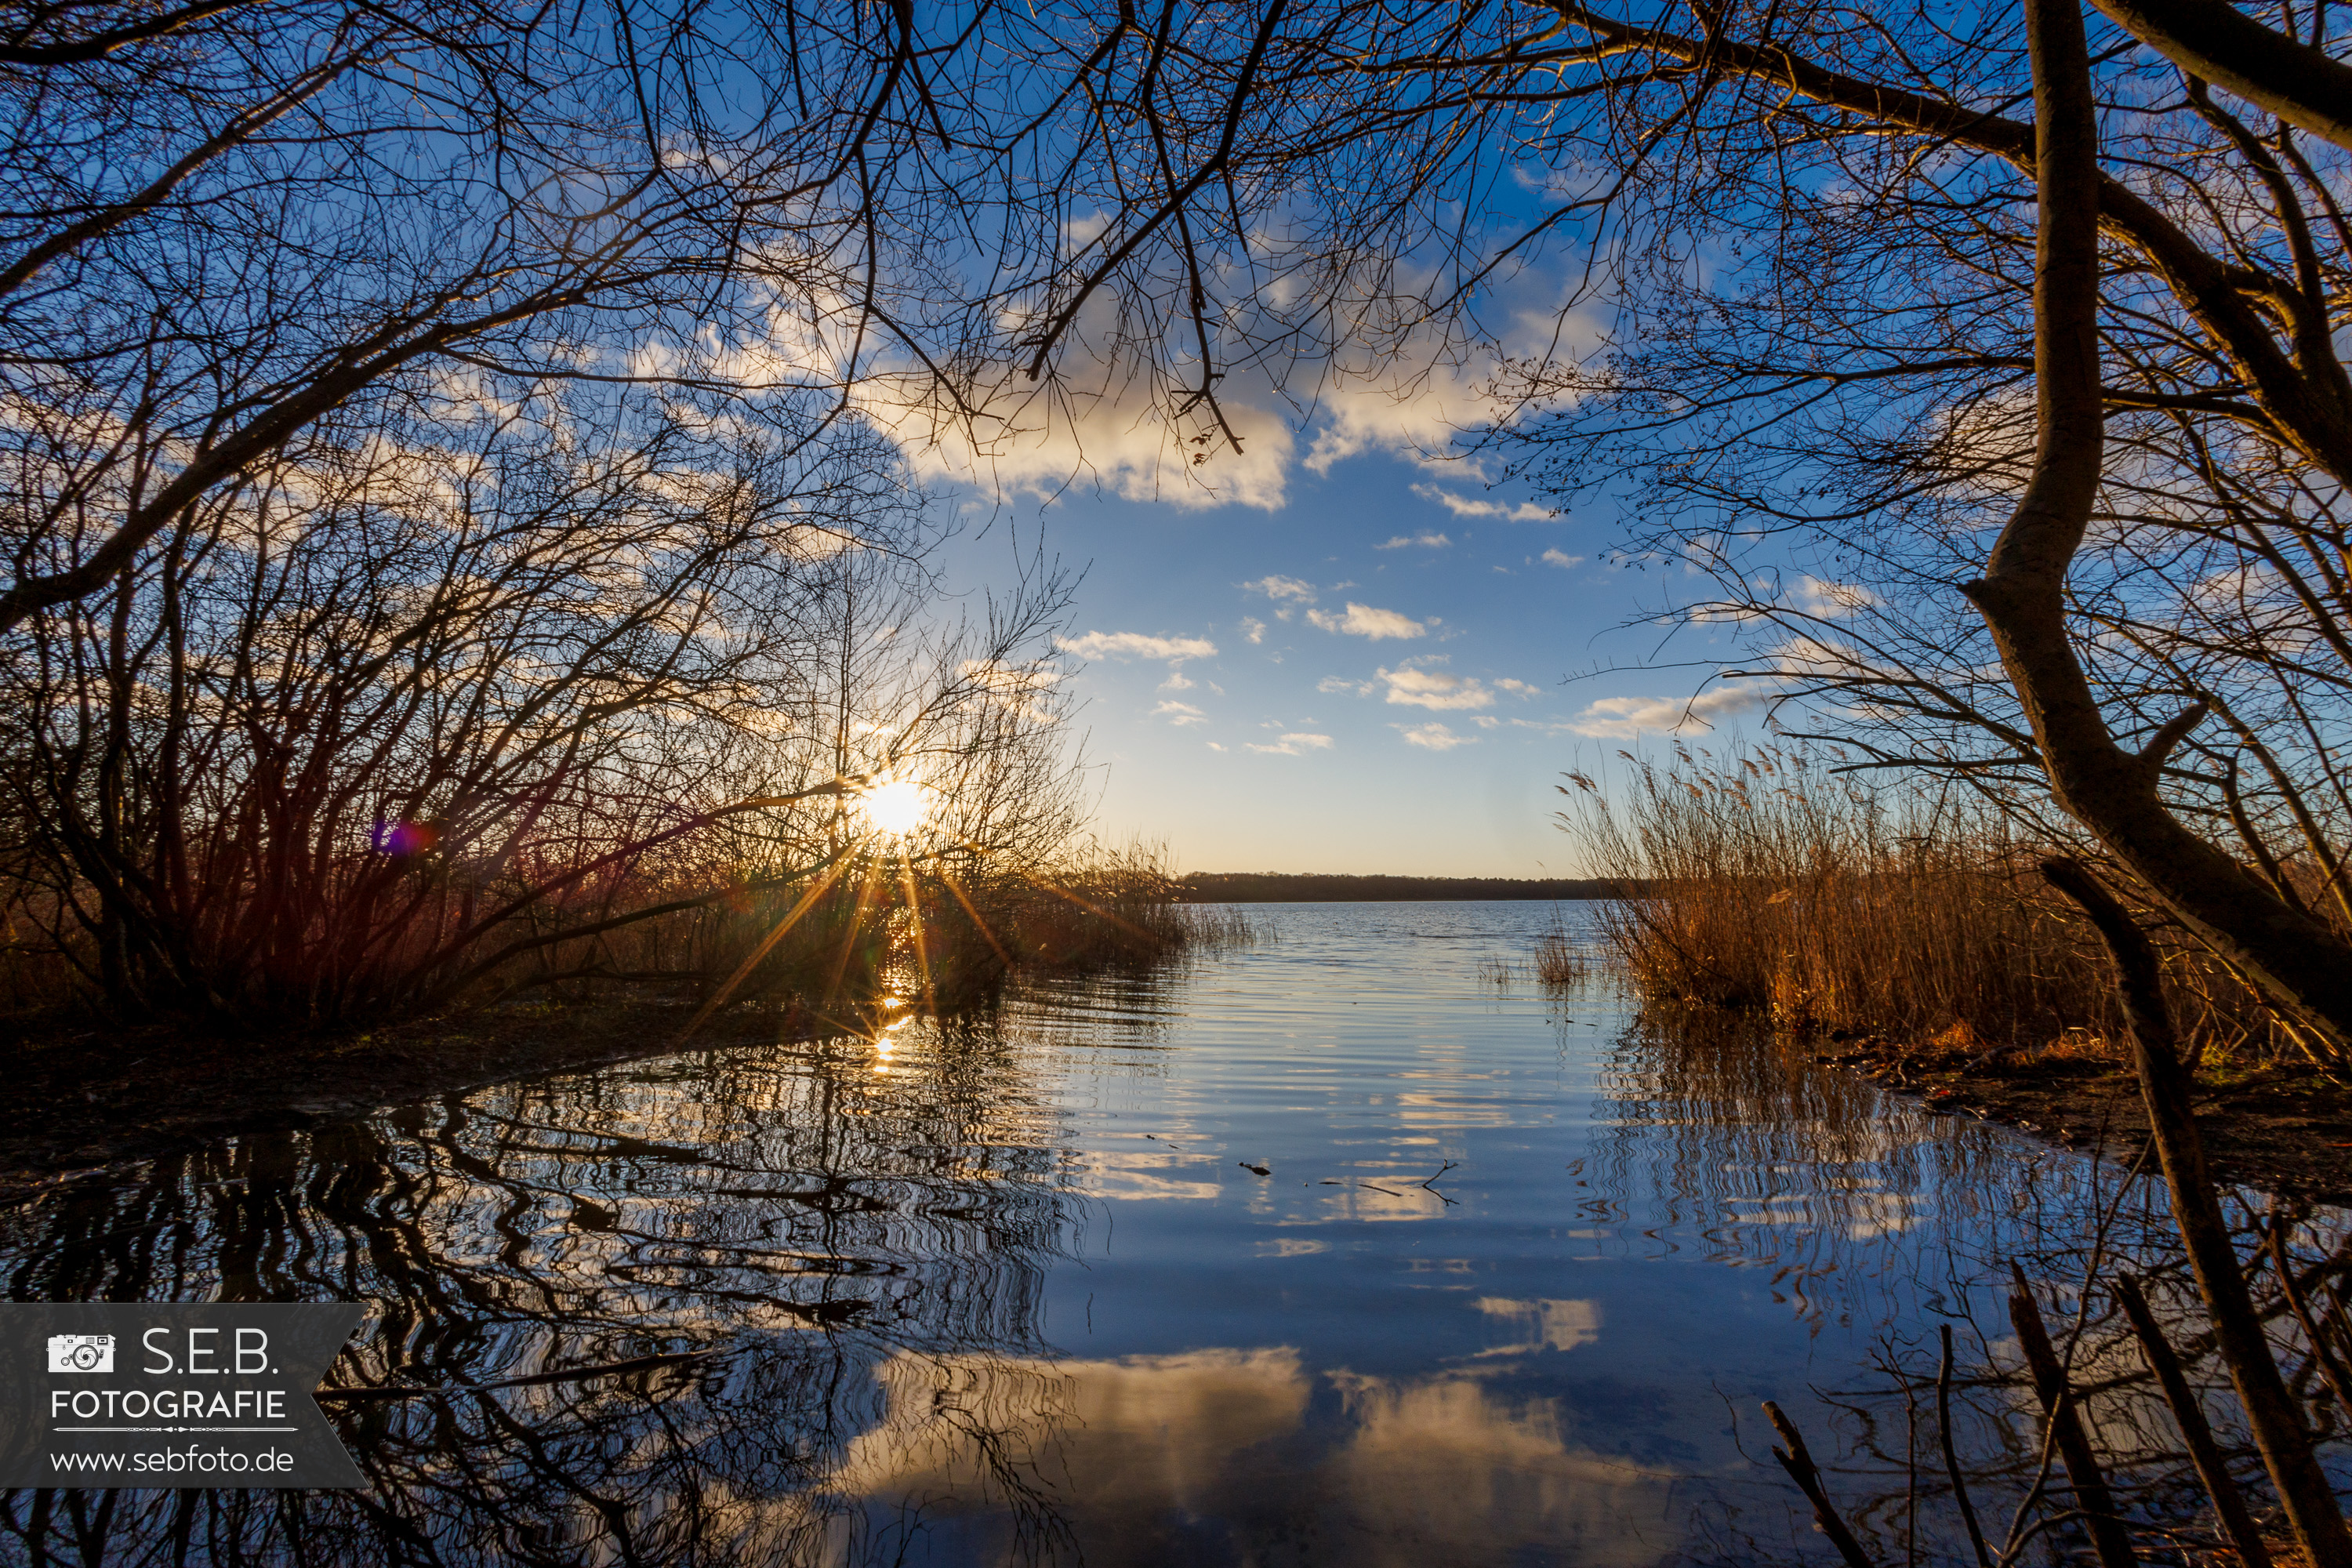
(1344, 1247)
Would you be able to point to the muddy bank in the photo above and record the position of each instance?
(81, 1099)
(2286, 1130)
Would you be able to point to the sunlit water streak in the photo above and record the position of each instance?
(1012, 1288)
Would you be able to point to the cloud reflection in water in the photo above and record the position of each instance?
(1194, 1456)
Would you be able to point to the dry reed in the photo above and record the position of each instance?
(1769, 883)
(954, 932)
(1096, 909)
(1558, 962)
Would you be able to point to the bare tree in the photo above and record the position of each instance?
(416, 705)
(224, 223)
(1814, 228)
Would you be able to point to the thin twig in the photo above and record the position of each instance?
(1951, 1457)
(1449, 1165)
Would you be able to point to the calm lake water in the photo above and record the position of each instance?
(1507, 1289)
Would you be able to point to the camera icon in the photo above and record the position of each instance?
(81, 1352)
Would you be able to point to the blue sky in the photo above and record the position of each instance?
(1358, 664)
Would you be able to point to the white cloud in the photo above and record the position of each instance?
(1097, 422)
(1176, 681)
(1253, 628)
(1433, 737)
(1812, 597)
(1136, 645)
(1021, 437)
(1180, 713)
(1341, 683)
(1521, 687)
(1424, 537)
(1277, 587)
(1364, 621)
(1468, 506)
(1561, 558)
(1623, 718)
(1079, 233)
(1414, 687)
(1414, 398)
(1296, 745)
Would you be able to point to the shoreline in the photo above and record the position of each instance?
(2284, 1131)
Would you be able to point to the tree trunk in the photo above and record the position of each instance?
(2300, 962)
(2216, 41)
(2271, 1411)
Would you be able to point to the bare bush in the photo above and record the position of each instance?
(456, 702)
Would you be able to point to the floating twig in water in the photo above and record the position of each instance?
(1449, 1165)
(1795, 1459)
(2228, 1503)
(2109, 1540)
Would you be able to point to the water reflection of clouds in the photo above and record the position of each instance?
(1168, 1458)
(1111, 1174)
(1873, 1215)
(1445, 1468)
(1543, 1325)
(1419, 1110)
(1857, 1213)
(1144, 1432)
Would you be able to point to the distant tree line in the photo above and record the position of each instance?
(1310, 887)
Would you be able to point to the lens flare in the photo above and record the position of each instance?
(896, 807)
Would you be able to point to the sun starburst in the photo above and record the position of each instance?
(895, 806)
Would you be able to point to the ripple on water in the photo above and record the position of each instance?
(1013, 1287)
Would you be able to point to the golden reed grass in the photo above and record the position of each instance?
(1557, 961)
(954, 933)
(1766, 882)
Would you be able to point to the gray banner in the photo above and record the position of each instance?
(170, 1395)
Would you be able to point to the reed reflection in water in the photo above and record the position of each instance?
(1014, 1289)
(792, 1211)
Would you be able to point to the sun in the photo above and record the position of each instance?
(897, 805)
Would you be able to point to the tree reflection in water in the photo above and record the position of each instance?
(1334, 1364)
(1866, 1208)
(807, 1218)
(1873, 1213)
